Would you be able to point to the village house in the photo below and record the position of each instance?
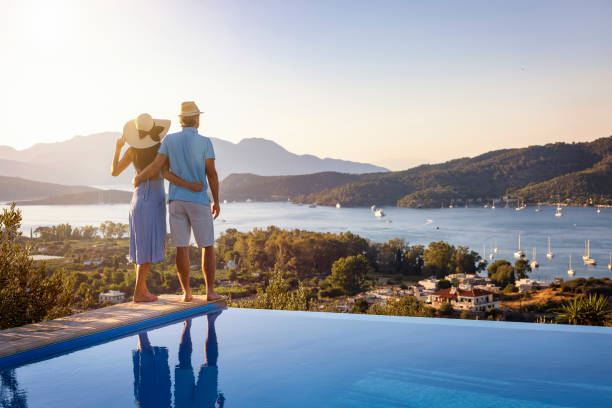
(114, 296)
(475, 300)
(526, 284)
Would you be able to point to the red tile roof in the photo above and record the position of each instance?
(446, 293)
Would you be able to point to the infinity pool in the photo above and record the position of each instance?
(261, 358)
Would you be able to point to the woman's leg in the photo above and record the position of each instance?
(141, 293)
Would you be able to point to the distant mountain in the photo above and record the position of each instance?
(242, 187)
(87, 159)
(15, 188)
(575, 172)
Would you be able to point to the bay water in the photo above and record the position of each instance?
(472, 227)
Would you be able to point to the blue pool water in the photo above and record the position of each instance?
(260, 358)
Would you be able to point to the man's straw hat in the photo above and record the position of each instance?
(189, 109)
(144, 131)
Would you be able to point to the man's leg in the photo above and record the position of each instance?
(183, 266)
(209, 267)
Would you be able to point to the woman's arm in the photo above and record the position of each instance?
(119, 165)
(176, 180)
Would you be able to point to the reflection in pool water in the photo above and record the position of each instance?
(152, 383)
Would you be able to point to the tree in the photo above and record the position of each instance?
(438, 259)
(278, 296)
(28, 293)
(349, 273)
(444, 284)
(361, 306)
(521, 268)
(503, 276)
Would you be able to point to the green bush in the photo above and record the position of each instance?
(510, 288)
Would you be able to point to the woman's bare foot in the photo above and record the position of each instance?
(145, 297)
(186, 297)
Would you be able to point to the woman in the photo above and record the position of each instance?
(148, 206)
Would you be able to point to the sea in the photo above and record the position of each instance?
(481, 229)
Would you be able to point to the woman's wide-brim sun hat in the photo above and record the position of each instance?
(144, 131)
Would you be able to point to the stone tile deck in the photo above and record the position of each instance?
(33, 336)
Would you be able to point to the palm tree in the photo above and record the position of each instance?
(587, 310)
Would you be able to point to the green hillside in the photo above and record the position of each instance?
(241, 187)
(574, 171)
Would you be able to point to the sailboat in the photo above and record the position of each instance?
(379, 213)
(549, 254)
(519, 253)
(598, 209)
(496, 250)
(610, 264)
(491, 252)
(493, 204)
(338, 205)
(588, 260)
(534, 263)
(538, 209)
(570, 271)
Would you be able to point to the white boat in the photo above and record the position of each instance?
(338, 205)
(491, 252)
(521, 206)
(373, 208)
(538, 209)
(493, 204)
(379, 213)
(570, 271)
(587, 258)
(549, 254)
(519, 253)
(534, 263)
(610, 264)
(598, 209)
(559, 213)
(495, 250)
(224, 201)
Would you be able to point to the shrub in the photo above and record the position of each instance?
(587, 310)
(446, 309)
(510, 288)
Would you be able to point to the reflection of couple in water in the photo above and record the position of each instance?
(152, 385)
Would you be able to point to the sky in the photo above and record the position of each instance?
(394, 83)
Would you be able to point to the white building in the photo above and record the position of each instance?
(114, 296)
(429, 284)
(475, 300)
(526, 284)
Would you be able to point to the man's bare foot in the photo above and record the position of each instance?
(212, 296)
(145, 297)
(186, 297)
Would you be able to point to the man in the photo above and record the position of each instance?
(192, 158)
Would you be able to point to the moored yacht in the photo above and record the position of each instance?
(549, 254)
(379, 213)
(495, 250)
(587, 256)
(534, 263)
(558, 213)
(538, 209)
(570, 271)
(610, 264)
(338, 205)
(519, 253)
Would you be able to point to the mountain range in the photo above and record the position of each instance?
(577, 173)
(85, 160)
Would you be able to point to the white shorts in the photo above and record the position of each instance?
(187, 215)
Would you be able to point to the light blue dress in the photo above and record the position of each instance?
(148, 223)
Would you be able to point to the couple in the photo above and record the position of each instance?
(187, 160)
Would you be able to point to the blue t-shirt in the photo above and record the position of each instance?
(187, 152)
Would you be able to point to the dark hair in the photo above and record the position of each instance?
(143, 157)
